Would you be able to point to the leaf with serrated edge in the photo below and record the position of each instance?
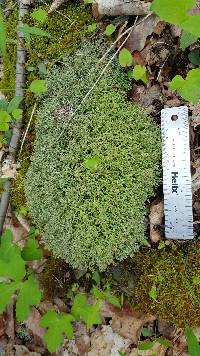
(11, 263)
(29, 295)
(58, 325)
(39, 15)
(89, 313)
(31, 250)
(7, 290)
(189, 88)
(172, 11)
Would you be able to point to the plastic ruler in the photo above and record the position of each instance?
(177, 185)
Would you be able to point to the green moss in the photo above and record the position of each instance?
(91, 218)
(178, 298)
(56, 279)
(9, 63)
(67, 30)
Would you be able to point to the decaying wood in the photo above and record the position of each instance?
(156, 218)
(120, 7)
(55, 5)
(19, 91)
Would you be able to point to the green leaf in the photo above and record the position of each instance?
(187, 39)
(2, 181)
(17, 114)
(110, 29)
(88, 312)
(125, 58)
(2, 35)
(146, 332)
(96, 277)
(31, 250)
(88, 1)
(192, 342)
(92, 163)
(153, 293)
(38, 86)
(58, 325)
(33, 31)
(14, 103)
(4, 116)
(7, 290)
(192, 25)
(194, 57)
(146, 345)
(42, 69)
(3, 105)
(11, 263)
(112, 299)
(164, 342)
(4, 126)
(39, 15)
(140, 73)
(189, 88)
(29, 295)
(196, 280)
(173, 11)
(92, 27)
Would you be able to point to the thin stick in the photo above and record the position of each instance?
(27, 128)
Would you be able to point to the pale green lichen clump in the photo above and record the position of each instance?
(91, 217)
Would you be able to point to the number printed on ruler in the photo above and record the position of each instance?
(177, 184)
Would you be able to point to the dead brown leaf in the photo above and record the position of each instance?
(129, 324)
(33, 323)
(21, 350)
(82, 338)
(2, 324)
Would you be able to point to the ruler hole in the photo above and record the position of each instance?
(174, 117)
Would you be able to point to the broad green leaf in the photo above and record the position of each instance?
(7, 290)
(17, 114)
(192, 342)
(194, 57)
(4, 126)
(192, 25)
(99, 294)
(92, 27)
(187, 39)
(125, 58)
(173, 11)
(164, 342)
(88, 1)
(110, 29)
(29, 295)
(39, 15)
(92, 163)
(31, 250)
(4, 116)
(140, 73)
(146, 345)
(2, 181)
(14, 103)
(3, 105)
(87, 312)
(33, 31)
(42, 69)
(2, 35)
(38, 86)
(153, 293)
(196, 280)
(11, 263)
(189, 88)
(58, 325)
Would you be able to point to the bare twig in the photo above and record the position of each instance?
(27, 128)
(16, 132)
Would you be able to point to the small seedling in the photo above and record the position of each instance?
(125, 58)
(110, 29)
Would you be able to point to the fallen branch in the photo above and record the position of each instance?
(19, 91)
